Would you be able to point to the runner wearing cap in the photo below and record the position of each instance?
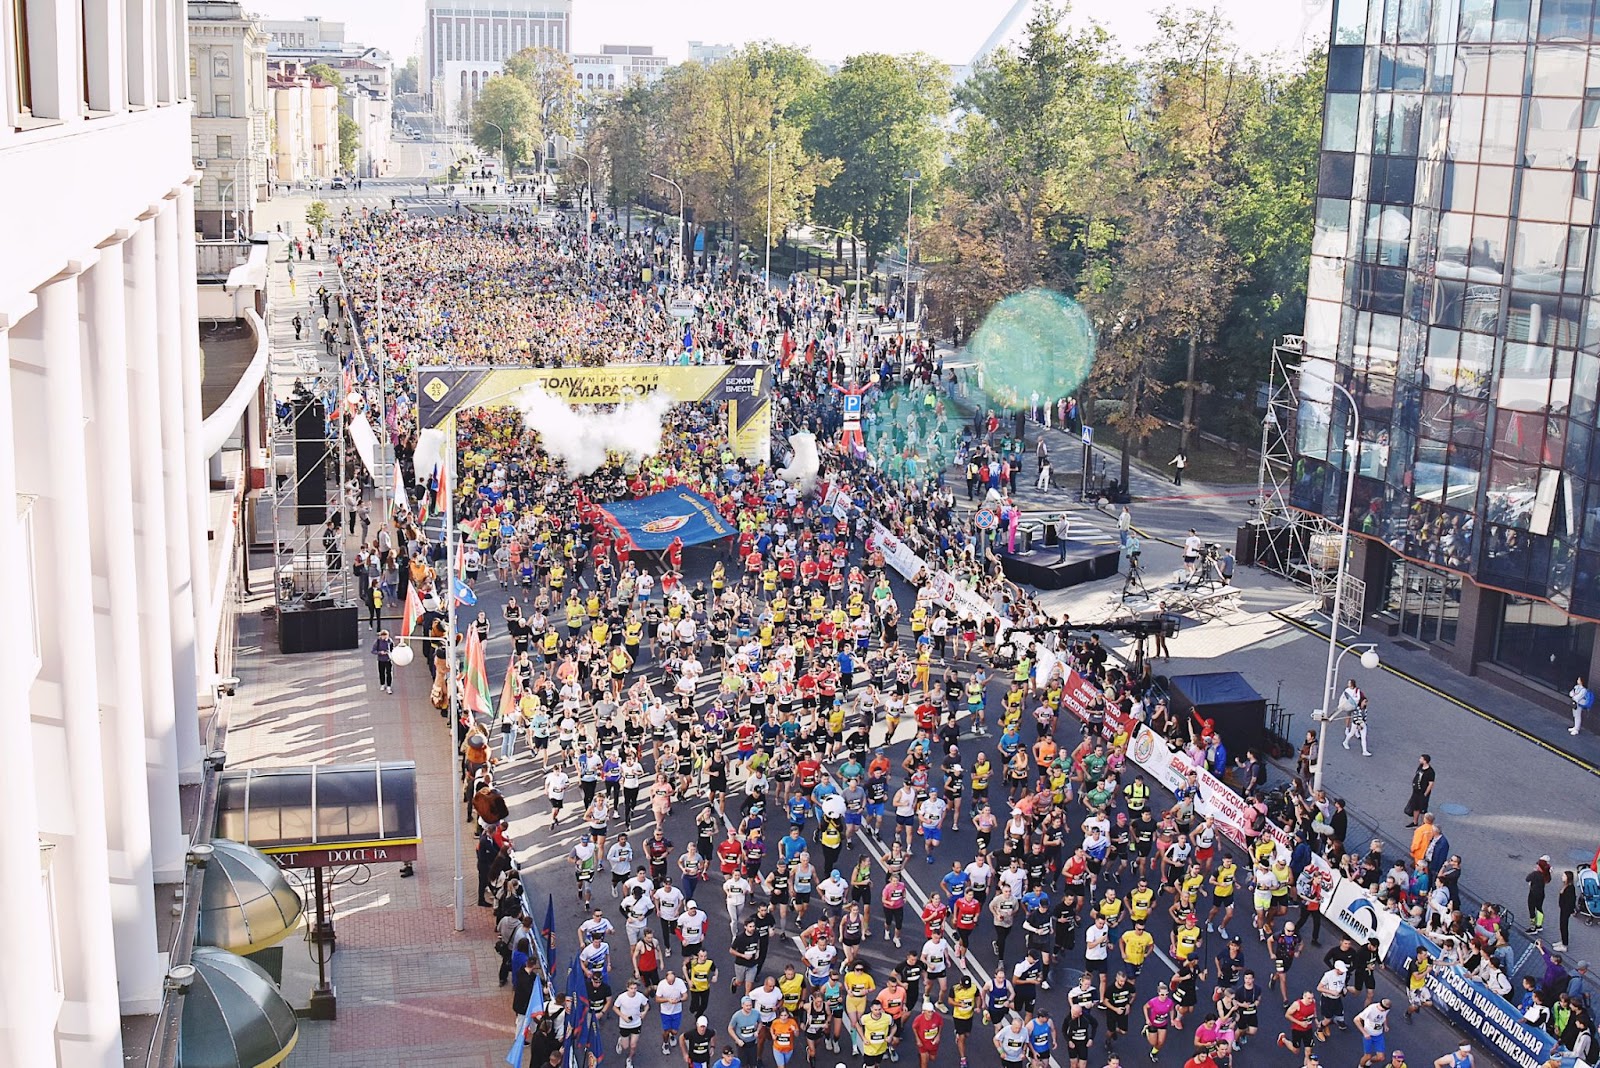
(1330, 999)
(697, 1044)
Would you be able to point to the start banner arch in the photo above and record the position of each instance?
(746, 388)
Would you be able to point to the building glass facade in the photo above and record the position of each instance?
(1453, 291)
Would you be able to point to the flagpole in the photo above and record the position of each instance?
(447, 476)
(385, 493)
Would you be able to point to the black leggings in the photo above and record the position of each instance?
(385, 673)
(1316, 922)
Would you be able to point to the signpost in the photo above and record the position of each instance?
(1088, 454)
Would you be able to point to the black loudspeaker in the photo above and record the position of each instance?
(310, 463)
(318, 627)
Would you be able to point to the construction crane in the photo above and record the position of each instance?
(1001, 32)
(1310, 12)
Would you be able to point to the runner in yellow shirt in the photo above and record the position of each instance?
(1224, 881)
(877, 1034)
(1136, 945)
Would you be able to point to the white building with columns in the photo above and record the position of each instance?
(464, 44)
(106, 646)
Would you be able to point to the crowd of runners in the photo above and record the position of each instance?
(756, 756)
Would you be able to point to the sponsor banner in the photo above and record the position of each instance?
(896, 553)
(1078, 696)
(1472, 1008)
(750, 429)
(654, 521)
(1346, 904)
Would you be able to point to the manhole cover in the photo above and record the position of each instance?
(1455, 810)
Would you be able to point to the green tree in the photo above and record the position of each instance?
(547, 72)
(1266, 214)
(349, 143)
(324, 73)
(505, 109)
(317, 215)
(732, 112)
(1043, 120)
(620, 146)
(408, 78)
(879, 115)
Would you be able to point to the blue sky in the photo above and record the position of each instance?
(832, 29)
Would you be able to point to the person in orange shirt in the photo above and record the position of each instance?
(893, 998)
(1423, 837)
(784, 1032)
(1044, 751)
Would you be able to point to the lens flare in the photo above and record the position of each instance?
(1036, 342)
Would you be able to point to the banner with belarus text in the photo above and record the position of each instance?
(653, 522)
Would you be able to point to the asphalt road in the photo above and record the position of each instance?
(542, 856)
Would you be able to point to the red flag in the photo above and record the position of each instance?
(475, 681)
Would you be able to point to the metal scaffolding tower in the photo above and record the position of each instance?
(1301, 546)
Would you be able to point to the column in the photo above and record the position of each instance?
(48, 355)
(199, 478)
(120, 674)
(163, 666)
(175, 470)
(27, 1001)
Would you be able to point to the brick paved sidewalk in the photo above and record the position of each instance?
(411, 990)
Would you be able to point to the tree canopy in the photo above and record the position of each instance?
(1168, 192)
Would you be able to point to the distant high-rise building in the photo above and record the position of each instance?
(466, 44)
(700, 52)
(616, 67)
(1453, 291)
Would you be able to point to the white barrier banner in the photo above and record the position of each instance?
(1216, 798)
(1348, 907)
(941, 585)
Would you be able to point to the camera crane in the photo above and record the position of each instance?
(1140, 630)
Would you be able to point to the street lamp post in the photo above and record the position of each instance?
(1369, 658)
(766, 274)
(679, 188)
(586, 205)
(911, 177)
(502, 134)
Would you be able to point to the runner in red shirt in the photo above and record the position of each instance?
(933, 916)
(1302, 1017)
(807, 772)
(966, 913)
(729, 854)
(928, 1026)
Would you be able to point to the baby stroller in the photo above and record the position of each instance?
(1589, 895)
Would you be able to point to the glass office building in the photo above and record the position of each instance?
(1453, 292)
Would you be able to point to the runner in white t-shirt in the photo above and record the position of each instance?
(630, 1007)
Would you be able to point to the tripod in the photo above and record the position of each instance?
(1135, 580)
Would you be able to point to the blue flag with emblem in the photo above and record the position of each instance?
(652, 522)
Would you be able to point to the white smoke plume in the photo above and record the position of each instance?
(582, 439)
(802, 469)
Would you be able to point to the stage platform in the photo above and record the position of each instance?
(1088, 559)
